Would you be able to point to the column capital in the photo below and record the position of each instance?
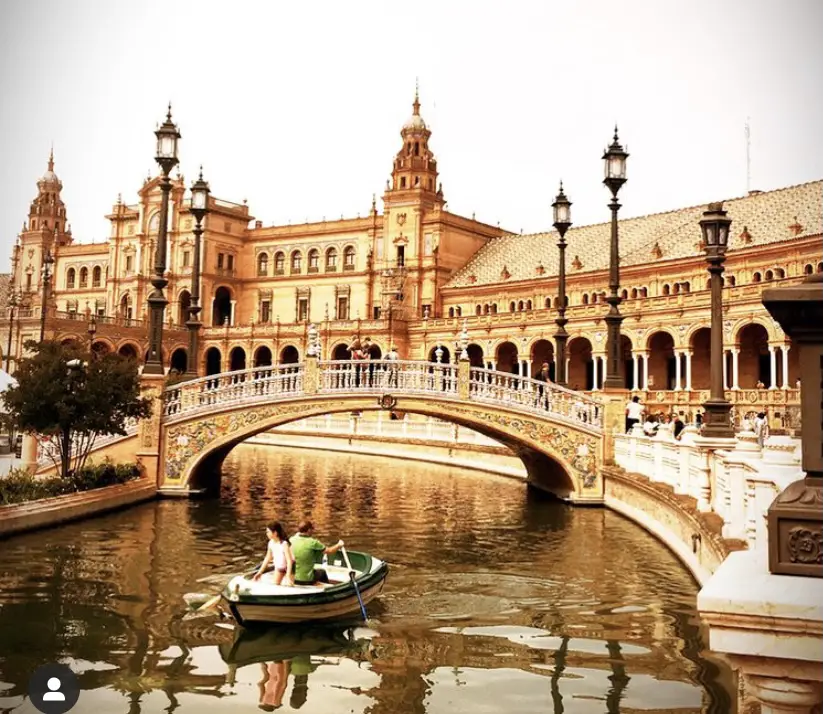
(783, 695)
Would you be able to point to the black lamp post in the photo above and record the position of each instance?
(562, 221)
(92, 330)
(48, 261)
(167, 138)
(199, 208)
(615, 165)
(715, 227)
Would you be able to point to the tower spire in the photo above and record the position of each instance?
(416, 104)
(51, 157)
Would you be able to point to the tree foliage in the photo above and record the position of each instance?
(73, 396)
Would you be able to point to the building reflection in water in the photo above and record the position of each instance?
(493, 592)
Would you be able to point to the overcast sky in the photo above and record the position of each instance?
(297, 106)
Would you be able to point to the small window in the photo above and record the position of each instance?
(314, 260)
(624, 295)
(808, 269)
(84, 277)
(95, 276)
(331, 260)
(28, 282)
(667, 289)
(221, 259)
(756, 278)
(459, 311)
(401, 256)
(494, 308)
(478, 310)
(348, 258)
(265, 311)
(101, 311)
(303, 310)
(644, 292)
(186, 258)
(585, 298)
(732, 281)
(528, 304)
(296, 262)
(451, 312)
(342, 308)
(129, 264)
(230, 262)
(512, 306)
(376, 312)
(279, 263)
(70, 279)
(263, 265)
(402, 182)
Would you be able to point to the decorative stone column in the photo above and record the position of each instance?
(784, 349)
(645, 356)
(735, 367)
(725, 371)
(677, 371)
(688, 355)
(635, 370)
(772, 367)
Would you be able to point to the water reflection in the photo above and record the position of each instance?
(498, 601)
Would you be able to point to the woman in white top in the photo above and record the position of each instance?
(279, 554)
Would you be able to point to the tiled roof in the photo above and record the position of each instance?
(768, 217)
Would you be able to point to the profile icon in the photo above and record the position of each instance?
(54, 694)
(54, 689)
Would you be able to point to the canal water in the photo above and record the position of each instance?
(498, 600)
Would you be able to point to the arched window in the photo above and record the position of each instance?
(769, 275)
(756, 278)
(95, 276)
(84, 277)
(459, 311)
(585, 298)
(331, 260)
(732, 281)
(279, 263)
(451, 312)
(779, 273)
(520, 306)
(348, 258)
(486, 309)
(70, 278)
(667, 289)
(528, 304)
(512, 306)
(820, 267)
(494, 308)
(808, 269)
(634, 293)
(314, 260)
(478, 310)
(263, 264)
(644, 292)
(687, 287)
(296, 262)
(624, 295)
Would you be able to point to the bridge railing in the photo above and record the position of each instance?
(532, 395)
(241, 386)
(406, 376)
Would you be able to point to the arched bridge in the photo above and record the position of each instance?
(558, 433)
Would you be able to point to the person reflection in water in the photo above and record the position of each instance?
(301, 668)
(273, 684)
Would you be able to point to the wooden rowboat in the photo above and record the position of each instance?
(262, 601)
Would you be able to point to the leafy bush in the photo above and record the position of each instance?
(20, 486)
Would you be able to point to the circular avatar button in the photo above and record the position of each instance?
(53, 689)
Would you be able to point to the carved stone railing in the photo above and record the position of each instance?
(737, 484)
(458, 382)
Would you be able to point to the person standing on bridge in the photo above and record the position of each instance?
(634, 413)
(391, 371)
(543, 389)
(307, 551)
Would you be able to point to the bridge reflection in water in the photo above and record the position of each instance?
(498, 601)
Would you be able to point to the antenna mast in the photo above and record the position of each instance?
(748, 156)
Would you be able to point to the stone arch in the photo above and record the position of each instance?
(128, 349)
(179, 360)
(743, 323)
(541, 351)
(125, 307)
(581, 370)
(183, 303)
(475, 355)
(445, 357)
(214, 361)
(555, 457)
(506, 357)
(262, 356)
(699, 340)
(289, 355)
(221, 305)
(237, 359)
(101, 346)
(661, 345)
(753, 360)
(341, 351)
(70, 340)
(669, 331)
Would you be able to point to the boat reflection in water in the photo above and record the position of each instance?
(295, 652)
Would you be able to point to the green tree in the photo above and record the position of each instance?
(73, 396)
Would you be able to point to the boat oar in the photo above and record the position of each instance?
(353, 576)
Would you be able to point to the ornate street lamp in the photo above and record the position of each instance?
(614, 160)
(715, 227)
(48, 261)
(199, 208)
(167, 138)
(92, 330)
(562, 221)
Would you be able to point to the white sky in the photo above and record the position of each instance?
(297, 106)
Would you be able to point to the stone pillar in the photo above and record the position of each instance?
(463, 375)
(150, 447)
(688, 354)
(645, 371)
(677, 371)
(782, 695)
(784, 349)
(232, 312)
(311, 374)
(595, 376)
(772, 367)
(735, 367)
(28, 455)
(725, 371)
(635, 370)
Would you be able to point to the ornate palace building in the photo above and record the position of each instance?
(413, 274)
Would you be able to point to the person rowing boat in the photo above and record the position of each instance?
(308, 552)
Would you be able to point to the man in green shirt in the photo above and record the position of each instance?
(308, 551)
